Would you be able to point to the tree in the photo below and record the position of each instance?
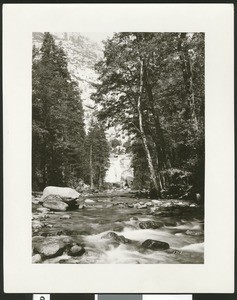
(57, 118)
(97, 149)
(144, 87)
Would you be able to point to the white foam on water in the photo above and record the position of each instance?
(199, 247)
(141, 235)
(122, 255)
(191, 226)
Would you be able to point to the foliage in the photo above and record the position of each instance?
(97, 154)
(57, 119)
(153, 84)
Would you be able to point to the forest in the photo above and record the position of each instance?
(150, 84)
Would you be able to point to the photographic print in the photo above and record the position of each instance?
(118, 148)
(118, 145)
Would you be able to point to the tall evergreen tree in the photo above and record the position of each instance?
(97, 148)
(57, 117)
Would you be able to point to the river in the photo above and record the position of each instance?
(182, 228)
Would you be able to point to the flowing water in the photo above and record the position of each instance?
(183, 230)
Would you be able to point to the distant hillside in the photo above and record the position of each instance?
(82, 54)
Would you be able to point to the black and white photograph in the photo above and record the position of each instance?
(118, 147)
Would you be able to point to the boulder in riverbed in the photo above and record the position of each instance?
(55, 203)
(76, 250)
(89, 201)
(65, 217)
(150, 225)
(116, 238)
(35, 202)
(139, 206)
(133, 219)
(36, 259)
(194, 232)
(51, 246)
(156, 202)
(37, 224)
(155, 245)
(43, 209)
(63, 192)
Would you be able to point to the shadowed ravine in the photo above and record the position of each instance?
(181, 226)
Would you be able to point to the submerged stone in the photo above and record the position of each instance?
(115, 237)
(194, 232)
(150, 225)
(76, 250)
(155, 245)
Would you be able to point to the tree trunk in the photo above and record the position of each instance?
(143, 136)
(188, 78)
(163, 161)
(91, 168)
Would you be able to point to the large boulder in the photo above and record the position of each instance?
(55, 203)
(63, 192)
(150, 225)
(155, 245)
(50, 247)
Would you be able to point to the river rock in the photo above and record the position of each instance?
(170, 223)
(150, 225)
(63, 192)
(109, 205)
(76, 250)
(121, 205)
(89, 201)
(49, 225)
(155, 245)
(71, 203)
(173, 251)
(43, 209)
(65, 217)
(194, 232)
(139, 206)
(115, 237)
(36, 259)
(193, 205)
(35, 202)
(167, 204)
(45, 234)
(55, 203)
(43, 217)
(156, 202)
(51, 246)
(118, 228)
(133, 219)
(37, 224)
